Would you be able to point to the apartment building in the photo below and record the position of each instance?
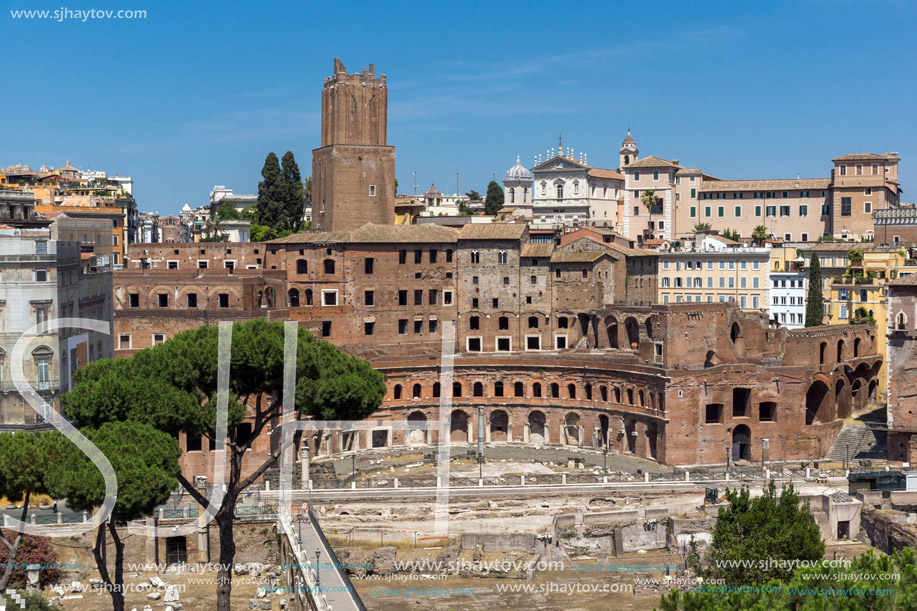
(716, 270)
(861, 184)
(788, 286)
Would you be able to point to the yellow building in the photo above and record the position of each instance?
(862, 294)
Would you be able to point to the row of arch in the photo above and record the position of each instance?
(626, 395)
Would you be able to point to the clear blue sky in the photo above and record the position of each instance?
(198, 93)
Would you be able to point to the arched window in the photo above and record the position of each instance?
(269, 297)
(555, 390)
(456, 389)
(293, 295)
(617, 395)
(415, 391)
(519, 389)
(478, 389)
(503, 323)
(604, 391)
(571, 390)
(397, 392)
(475, 256)
(641, 398)
(501, 257)
(533, 322)
(901, 322)
(589, 392)
(630, 396)
(821, 353)
(302, 266)
(560, 190)
(329, 266)
(512, 195)
(536, 390)
(435, 390)
(498, 389)
(308, 297)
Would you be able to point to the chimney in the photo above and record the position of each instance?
(675, 161)
(372, 70)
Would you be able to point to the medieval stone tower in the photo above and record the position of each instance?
(353, 172)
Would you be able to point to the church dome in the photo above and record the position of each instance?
(518, 172)
(432, 192)
(629, 141)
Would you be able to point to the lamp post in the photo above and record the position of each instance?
(353, 464)
(605, 461)
(318, 553)
(727, 460)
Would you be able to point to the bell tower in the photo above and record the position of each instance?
(353, 172)
(628, 152)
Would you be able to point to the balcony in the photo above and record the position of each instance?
(40, 385)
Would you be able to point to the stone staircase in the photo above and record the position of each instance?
(865, 443)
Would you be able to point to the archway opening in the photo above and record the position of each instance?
(537, 427)
(416, 429)
(459, 426)
(499, 425)
(741, 443)
(817, 399)
(571, 429)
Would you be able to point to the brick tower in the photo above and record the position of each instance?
(353, 172)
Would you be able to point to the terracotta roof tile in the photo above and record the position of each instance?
(600, 173)
(767, 185)
(375, 234)
(492, 231)
(538, 249)
(652, 162)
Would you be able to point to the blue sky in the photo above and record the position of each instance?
(198, 93)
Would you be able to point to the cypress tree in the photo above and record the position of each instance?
(494, 200)
(271, 192)
(815, 308)
(294, 193)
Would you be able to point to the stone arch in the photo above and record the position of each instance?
(537, 428)
(641, 398)
(858, 394)
(611, 330)
(416, 391)
(293, 297)
(456, 389)
(840, 350)
(571, 390)
(818, 403)
(588, 388)
(630, 396)
(308, 297)
(735, 334)
(436, 390)
(519, 389)
(536, 390)
(499, 425)
(856, 347)
(741, 443)
(711, 360)
(842, 399)
(633, 332)
(873, 388)
(603, 390)
(396, 392)
(498, 388)
(555, 390)
(652, 438)
(822, 349)
(416, 432)
(571, 429)
(648, 325)
(617, 392)
(630, 435)
(459, 427)
(478, 389)
(603, 430)
(270, 297)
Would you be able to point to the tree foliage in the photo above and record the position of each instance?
(32, 550)
(473, 196)
(815, 307)
(759, 234)
(702, 227)
(494, 199)
(24, 464)
(173, 387)
(732, 234)
(145, 462)
(870, 583)
(750, 531)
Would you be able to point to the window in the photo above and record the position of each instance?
(302, 266)
(368, 328)
(369, 298)
(637, 175)
(714, 413)
(495, 303)
(474, 345)
(503, 323)
(560, 342)
(560, 191)
(533, 322)
(372, 190)
(418, 327)
(803, 210)
(432, 326)
(447, 298)
(448, 255)
(474, 280)
(418, 256)
(41, 275)
(191, 299)
(172, 264)
(402, 326)
(474, 323)
(418, 297)
(504, 344)
(867, 207)
(162, 300)
(475, 256)
(158, 338)
(402, 297)
(432, 296)
(41, 247)
(693, 191)
(474, 303)
(134, 300)
(505, 280)
(501, 257)
(402, 257)
(784, 211)
(845, 205)
(693, 212)
(767, 411)
(771, 210)
(203, 264)
(721, 211)
(124, 341)
(329, 297)
(432, 255)
(707, 212)
(223, 300)
(533, 342)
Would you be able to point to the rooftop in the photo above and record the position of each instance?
(767, 185)
(492, 231)
(374, 234)
(652, 162)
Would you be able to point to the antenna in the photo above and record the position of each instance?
(560, 144)
(415, 182)
(495, 175)
(457, 190)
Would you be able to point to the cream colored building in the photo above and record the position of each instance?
(715, 270)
